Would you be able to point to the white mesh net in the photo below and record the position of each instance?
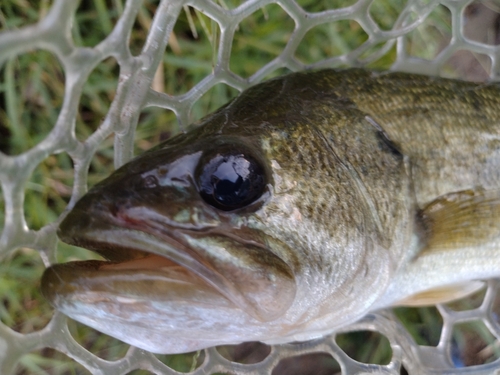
(241, 44)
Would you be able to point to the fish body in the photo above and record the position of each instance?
(304, 204)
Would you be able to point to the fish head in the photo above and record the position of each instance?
(260, 223)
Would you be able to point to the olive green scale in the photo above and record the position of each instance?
(381, 189)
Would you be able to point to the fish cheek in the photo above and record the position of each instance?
(264, 280)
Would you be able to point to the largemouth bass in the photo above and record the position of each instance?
(304, 204)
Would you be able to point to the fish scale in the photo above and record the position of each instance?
(368, 190)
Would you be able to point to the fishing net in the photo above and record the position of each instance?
(55, 141)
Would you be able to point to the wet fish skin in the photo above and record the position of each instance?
(358, 165)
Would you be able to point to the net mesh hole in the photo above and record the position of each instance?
(308, 364)
(49, 361)
(23, 309)
(432, 36)
(99, 344)
(473, 344)
(463, 63)
(375, 348)
(248, 52)
(30, 104)
(187, 362)
(423, 323)
(97, 95)
(246, 353)
(326, 41)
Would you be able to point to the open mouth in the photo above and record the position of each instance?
(183, 265)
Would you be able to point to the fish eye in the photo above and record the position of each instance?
(231, 180)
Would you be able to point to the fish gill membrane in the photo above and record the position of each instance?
(304, 204)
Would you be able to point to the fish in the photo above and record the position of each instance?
(306, 203)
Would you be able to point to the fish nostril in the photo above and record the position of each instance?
(113, 209)
(150, 182)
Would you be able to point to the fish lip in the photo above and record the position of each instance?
(119, 231)
(116, 230)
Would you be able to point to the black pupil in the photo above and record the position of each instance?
(229, 182)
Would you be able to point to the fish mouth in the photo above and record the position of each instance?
(184, 265)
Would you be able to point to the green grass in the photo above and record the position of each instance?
(31, 90)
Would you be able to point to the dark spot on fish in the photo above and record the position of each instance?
(476, 103)
(364, 170)
(150, 182)
(387, 145)
(384, 142)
